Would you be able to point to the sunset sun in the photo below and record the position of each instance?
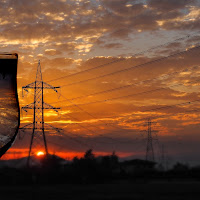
(40, 153)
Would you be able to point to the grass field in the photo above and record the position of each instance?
(118, 191)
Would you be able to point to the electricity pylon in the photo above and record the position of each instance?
(38, 107)
(149, 148)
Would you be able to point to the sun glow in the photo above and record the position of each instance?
(40, 153)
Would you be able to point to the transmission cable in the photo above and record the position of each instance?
(106, 137)
(130, 95)
(122, 59)
(134, 67)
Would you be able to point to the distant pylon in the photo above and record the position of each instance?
(163, 156)
(38, 106)
(149, 148)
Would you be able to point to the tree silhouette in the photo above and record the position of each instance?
(89, 155)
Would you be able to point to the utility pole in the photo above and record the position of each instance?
(38, 125)
(149, 148)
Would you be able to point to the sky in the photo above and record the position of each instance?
(118, 63)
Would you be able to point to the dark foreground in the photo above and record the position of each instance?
(115, 191)
(105, 178)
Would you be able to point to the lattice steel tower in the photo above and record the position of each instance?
(38, 106)
(149, 148)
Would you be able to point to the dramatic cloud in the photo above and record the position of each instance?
(115, 99)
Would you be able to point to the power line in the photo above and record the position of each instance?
(136, 141)
(159, 108)
(142, 111)
(88, 128)
(135, 66)
(129, 85)
(122, 59)
(91, 130)
(85, 144)
(158, 117)
(84, 110)
(140, 119)
(148, 110)
(126, 96)
(113, 139)
(170, 106)
(63, 146)
(92, 115)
